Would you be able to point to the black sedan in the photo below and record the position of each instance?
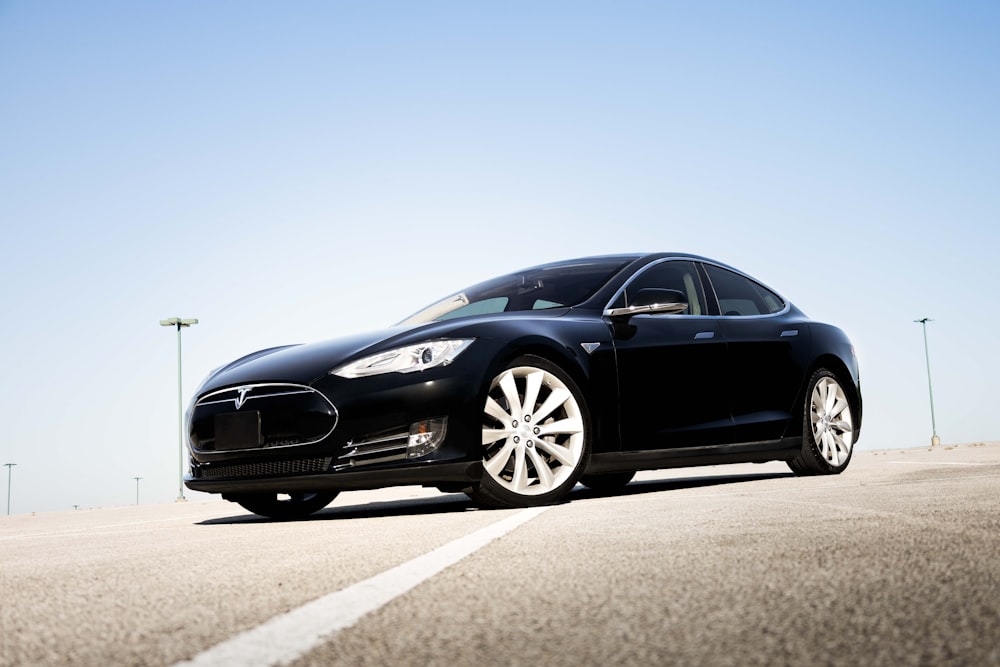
(515, 389)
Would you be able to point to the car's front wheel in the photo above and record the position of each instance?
(284, 506)
(828, 428)
(536, 435)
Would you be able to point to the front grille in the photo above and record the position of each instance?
(376, 448)
(261, 416)
(266, 469)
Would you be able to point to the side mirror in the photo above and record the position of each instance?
(651, 301)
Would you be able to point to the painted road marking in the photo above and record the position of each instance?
(289, 636)
(940, 463)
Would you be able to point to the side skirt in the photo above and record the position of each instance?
(784, 449)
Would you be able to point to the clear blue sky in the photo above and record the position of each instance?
(288, 172)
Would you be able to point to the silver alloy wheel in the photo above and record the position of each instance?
(533, 431)
(832, 423)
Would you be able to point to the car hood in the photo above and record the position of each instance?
(299, 364)
(304, 364)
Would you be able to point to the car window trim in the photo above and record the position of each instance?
(657, 262)
(786, 305)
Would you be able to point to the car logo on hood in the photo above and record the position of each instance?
(241, 397)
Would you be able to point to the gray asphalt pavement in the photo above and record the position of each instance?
(895, 562)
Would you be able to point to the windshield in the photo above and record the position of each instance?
(539, 288)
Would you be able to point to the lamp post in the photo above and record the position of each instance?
(935, 440)
(137, 489)
(180, 324)
(10, 466)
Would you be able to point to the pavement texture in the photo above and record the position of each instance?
(895, 562)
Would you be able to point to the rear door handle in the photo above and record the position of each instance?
(789, 332)
(704, 335)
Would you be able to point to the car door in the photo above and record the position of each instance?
(768, 348)
(671, 367)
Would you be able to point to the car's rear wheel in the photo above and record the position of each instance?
(535, 435)
(828, 428)
(282, 505)
(608, 482)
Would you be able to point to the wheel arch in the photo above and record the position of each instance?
(580, 367)
(847, 379)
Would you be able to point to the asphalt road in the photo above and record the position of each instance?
(895, 562)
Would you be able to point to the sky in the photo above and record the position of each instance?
(292, 172)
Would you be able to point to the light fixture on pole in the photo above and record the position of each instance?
(180, 324)
(9, 467)
(137, 489)
(935, 440)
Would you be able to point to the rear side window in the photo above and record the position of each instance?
(740, 296)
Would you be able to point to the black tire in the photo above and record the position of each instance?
(608, 482)
(828, 432)
(294, 506)
(536, 436)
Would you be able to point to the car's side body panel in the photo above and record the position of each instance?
(671, 376)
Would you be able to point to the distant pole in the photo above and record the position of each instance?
(180, 324)
(137, 489)
(9, 467)
(935, 440)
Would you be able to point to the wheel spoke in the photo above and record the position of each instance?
(545, 476)
(493, 409)
(563, 426)
(533, 383)
(562, 454)
(829, 448)
(831, 396)
(495, 465)
(491, 435)
(839, 443)
(509, 388)
(520, 479)
(842, 426)
(817, 400)
(838, 407)
(555, 400)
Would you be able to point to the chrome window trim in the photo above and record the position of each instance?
(787, 305)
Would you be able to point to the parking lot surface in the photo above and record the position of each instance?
(893, 562)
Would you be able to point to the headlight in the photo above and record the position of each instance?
(405, 359)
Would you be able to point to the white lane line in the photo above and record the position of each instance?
(939, 463)
(289, 636)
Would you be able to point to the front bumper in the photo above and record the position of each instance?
(424, 475)
(335, 434)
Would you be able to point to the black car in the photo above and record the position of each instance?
(516, 389)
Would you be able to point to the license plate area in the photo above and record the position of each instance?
(238, 430)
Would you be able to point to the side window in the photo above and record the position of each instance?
(739, 296)
(675, 275)
(494, 305)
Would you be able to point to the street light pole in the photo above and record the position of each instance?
(9, 467)
(935, 440)
(180, 324)
(137, 489)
